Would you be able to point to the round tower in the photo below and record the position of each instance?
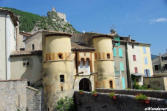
(58, 70)
(104, 64)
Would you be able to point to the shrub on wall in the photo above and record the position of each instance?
(141, 97)
(94, 93)
(112, 95)
(65, 104)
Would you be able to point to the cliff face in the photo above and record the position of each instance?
(30, 22)
(53, 22)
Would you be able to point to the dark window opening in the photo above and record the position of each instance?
(156, 67)
(61, 78)
(164, 58)
(24, 63)
(111, 84)
(108, 56)
(60, 56)
(61, 88)
(22, 49)
(133, 46)
(33, 46)
(28, 63)
(165, 66)
(28, 83)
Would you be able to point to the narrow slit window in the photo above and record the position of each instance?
(60, 56)
(108, 56)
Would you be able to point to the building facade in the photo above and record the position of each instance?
(140, 64)
(8, 44)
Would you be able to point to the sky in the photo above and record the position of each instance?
(144, 20)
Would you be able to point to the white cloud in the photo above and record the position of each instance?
(158, 20)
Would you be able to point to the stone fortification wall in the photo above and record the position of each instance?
(103, 102)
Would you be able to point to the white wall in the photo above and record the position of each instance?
(7, 45)
(11, 42)
(2, 48)
(138, 62)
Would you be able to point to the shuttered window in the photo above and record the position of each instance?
(120, 52)
(115, 51)
(121, 66)
(144, 50)
(145, 60)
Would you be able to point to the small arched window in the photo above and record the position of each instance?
(60, 55)
(33, 46)
(111, 84)
(82, 63)
(108, 55)
(87, 62)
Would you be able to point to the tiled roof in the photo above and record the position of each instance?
(26, 53)
(77, 47)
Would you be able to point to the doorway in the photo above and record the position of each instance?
(85, 85)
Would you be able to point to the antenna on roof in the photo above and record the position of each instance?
(112, 30)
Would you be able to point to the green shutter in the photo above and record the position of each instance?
(121, 66)
(115, 51)
(120, 52)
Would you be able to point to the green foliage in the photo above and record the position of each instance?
(28, 21)
(112, 94)
(141, 97)
(80, 91)
(65, 104)
(94, 92)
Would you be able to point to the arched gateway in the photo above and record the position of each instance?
(85, 84)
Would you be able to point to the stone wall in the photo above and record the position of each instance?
(103, 102)
(33, 99)
(155, 82)
(150, 93)
(15, 95)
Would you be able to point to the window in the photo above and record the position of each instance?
(121, 66)
(134, 57)
(164, 58)
(144, 50)
(60, 56)
(26, 62)
(61, 88)
(111, 84)
(156, 67)
(133, 46)
(115, 51)
(123, 83)
(147, 72)
(108, 56)
(145, 60)
(33, 46)
(87, 62)
(82, 63)
(120, 52)
(61, 78)
(136, 70)
(165, 67)
(118, 44)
